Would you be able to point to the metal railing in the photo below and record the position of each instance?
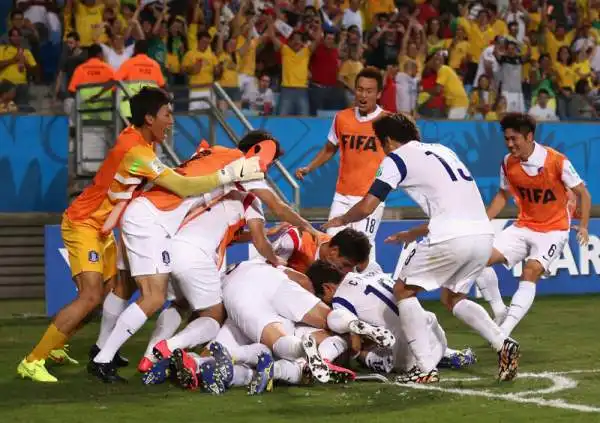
(84, 108)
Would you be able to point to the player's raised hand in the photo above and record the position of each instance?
(583, 236)
(404, 237)
(333, 223)
(302, 172)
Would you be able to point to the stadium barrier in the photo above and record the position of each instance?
(575, 272)
(34, 151)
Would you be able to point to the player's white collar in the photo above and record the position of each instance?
(369, 116)
(538, 156)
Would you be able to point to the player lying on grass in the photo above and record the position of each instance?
(368, 297)
(347, 251)
(458, 245)
(92, 252)
(264, 304)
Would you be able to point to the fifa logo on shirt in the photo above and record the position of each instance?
(536, 195)
(166, 258)
(359, 142)
(93, 256)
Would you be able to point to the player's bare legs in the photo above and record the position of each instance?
(90, 291)
(522, 300)
(153, 293)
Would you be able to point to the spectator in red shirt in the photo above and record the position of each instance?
(428, 10)
(388, 96)
(433, 106)
(323, 92)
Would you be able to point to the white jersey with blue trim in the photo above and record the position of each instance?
(439, 182)
(369, 296)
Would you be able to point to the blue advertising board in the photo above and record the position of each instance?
(34, 151)
(575, 272)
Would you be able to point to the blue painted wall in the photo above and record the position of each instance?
(33, 155)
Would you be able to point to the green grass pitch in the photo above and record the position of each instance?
(560, 381)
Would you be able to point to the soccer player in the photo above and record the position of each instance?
(128, 164)
(198, 251)
(541, 181)
(206, 158)
(455, 251)
(360, 153)
(92, 254)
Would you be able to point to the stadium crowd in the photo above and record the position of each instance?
(441, 59)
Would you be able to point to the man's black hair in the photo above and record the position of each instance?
(141, 47)
(371, 72)
(94, 51)
(147, 102)
(398, 127)
(254, 137)
(74, 35)
(321, 272)
(519, 122)
(352, 244)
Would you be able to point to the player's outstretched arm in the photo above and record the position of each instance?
(498, 203)
(406, 237)
(359, 211)
(262, 244)
(585, 201)
(283, 211)
(322, 157)
(189, 186)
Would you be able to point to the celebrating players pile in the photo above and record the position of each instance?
(308, 302)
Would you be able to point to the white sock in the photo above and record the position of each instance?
(242, 375)
(167, 323)
(248, 354)
(128, 323)
(380, 360)
(288, 371)
(450, 351)
(111, 310)
(332, 347)
(197, 332)
(519, 306)
(436, 328)
(288, 347)
(487, 283)
(476, 317)
(413, 320)
(339, 319)
(199, 360)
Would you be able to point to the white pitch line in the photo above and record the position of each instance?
(560, 383)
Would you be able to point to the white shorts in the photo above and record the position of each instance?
(147, 243)
(256, 294)
(457, 113)
(453, 264)
(518, 244)
(369, 225)
(195, 274)
(195, 104)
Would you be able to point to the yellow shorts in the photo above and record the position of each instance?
(89, 251)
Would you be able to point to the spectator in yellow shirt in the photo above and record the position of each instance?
(480, 35)
(228, 64)
(16, 64)
(295, 57)
(348, 71)
(449, 83)
(200, 65)
(482, 99)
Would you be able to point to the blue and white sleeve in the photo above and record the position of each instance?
(390, 175)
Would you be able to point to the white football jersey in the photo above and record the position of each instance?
(369, 296)
(436, 179)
